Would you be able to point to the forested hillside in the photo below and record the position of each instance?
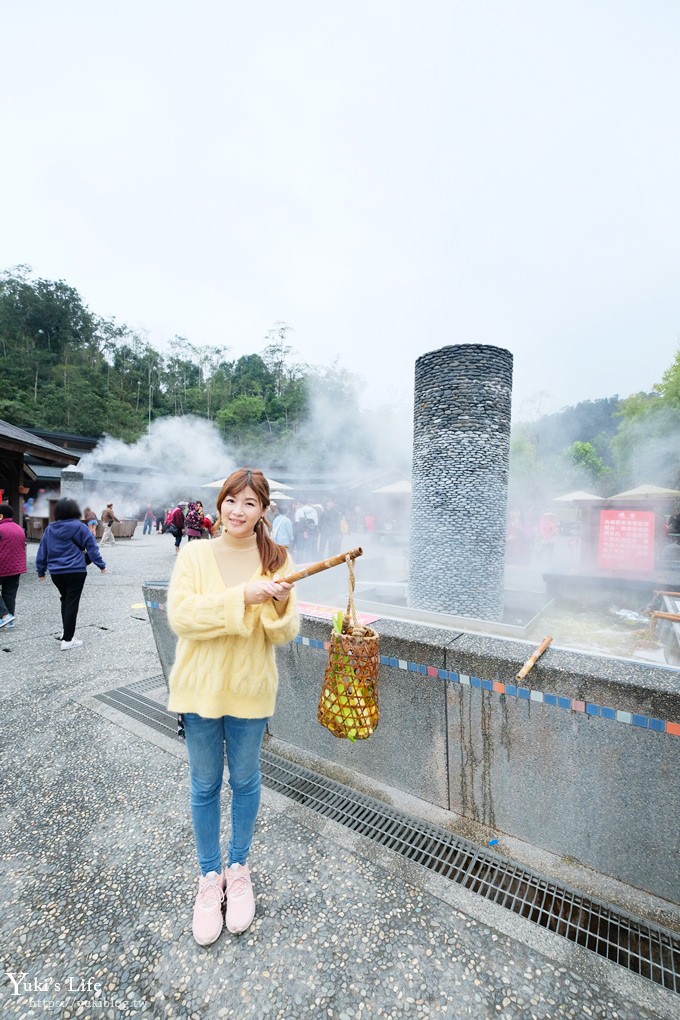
(63, 367)
(602, 446)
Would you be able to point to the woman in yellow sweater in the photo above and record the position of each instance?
(228, 609)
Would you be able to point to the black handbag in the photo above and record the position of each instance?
(83, 551)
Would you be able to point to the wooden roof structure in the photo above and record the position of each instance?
(15, 445)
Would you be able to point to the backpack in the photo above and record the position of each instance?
(169, 525)
(306, 527)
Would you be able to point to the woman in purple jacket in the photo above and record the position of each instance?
(62, 553)
(12, 563)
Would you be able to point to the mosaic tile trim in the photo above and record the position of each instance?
(515, 691)
(497, 687)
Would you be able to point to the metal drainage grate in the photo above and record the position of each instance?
(645, 949)
(150, 683)
(650, 951)
(128, 701)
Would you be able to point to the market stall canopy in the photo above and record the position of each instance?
(576, 497)
(647, 492)
(396, 488)
(273, 484)
(278, 496)
(219, 482)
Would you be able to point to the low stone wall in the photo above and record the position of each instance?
(582, 759)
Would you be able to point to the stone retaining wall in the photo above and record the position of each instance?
(582, 760)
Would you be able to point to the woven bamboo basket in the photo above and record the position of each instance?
(348, 706)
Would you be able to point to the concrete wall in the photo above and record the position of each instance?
(583, 760)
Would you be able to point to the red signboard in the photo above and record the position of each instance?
(626, 540)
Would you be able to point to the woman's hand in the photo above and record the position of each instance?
(257, 592)
(284, 590)
(102, 570)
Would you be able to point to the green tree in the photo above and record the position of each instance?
(243, 410)
(588, 466)
(63, 367)
(667, 392)
(647, 445)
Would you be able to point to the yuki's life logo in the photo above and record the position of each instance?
(23, 985)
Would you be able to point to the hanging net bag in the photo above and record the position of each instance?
(348, 705)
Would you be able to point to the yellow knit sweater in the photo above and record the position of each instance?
(224, 663)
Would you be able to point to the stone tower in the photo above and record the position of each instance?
(72, 483)
(461, 449)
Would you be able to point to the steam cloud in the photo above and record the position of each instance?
(172, 462)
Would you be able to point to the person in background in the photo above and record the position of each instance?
(306, 530)
(229, 610)
(26, 511)
(12, 563)
(160, 519)
(548, 530)
(176, 525)
(673, 526)
(207, 526)
(282, 529)
(108, 519)
(330, 536)
(61, 553)
(194, 521)
(90, 518)
(149, 518)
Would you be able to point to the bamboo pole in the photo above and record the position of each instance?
(531, 661)
(315, 568)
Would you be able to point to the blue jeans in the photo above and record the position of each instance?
(205, 740)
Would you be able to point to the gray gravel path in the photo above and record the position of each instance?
(99, 871)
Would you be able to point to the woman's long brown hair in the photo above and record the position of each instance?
(272, 556)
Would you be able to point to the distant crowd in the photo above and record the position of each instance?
(310, 530)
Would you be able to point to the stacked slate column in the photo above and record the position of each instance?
(461, 449)
(72, 483)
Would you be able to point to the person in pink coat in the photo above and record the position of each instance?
(12, 563)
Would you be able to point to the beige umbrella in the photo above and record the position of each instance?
(219, 482)
(576, 497)
(273, 484)
(278, 496)
(396, 488)
(647, 492)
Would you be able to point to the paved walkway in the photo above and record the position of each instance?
(99, 872)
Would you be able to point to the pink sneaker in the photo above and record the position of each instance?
(207, 923)
(240, 899)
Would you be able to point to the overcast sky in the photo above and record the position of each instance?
(386, 178)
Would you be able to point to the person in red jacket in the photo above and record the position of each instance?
(12, 563)
(177, 524)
